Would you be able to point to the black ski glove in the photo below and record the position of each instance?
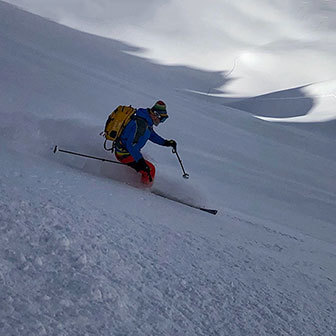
(170, 143)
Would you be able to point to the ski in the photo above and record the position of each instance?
(155, 192)
(174, 199)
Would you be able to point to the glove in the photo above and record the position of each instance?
(142, 165)
(170, 143)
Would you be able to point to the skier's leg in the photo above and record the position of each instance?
(126, 159)
(145, 178)
(129, 161)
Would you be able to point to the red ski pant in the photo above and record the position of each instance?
(129, 161)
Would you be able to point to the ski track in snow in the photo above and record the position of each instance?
(61, 271)
(66, 266)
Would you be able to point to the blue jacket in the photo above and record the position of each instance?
(137, 132)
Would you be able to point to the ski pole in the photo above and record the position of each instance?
(56, 149)
(185, 175)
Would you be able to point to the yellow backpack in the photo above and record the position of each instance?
(116, 123)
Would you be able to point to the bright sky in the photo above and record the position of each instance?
(265, 45)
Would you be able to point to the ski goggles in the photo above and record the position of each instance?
(161, 116)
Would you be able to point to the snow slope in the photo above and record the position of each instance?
(263, 45)
(84, 253)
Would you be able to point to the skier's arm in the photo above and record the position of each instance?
(160, 141)
(156, 138)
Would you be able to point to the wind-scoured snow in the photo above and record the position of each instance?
(84, 250)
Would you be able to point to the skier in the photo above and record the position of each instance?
(135, 135)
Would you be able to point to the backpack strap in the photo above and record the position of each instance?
(141, 127)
